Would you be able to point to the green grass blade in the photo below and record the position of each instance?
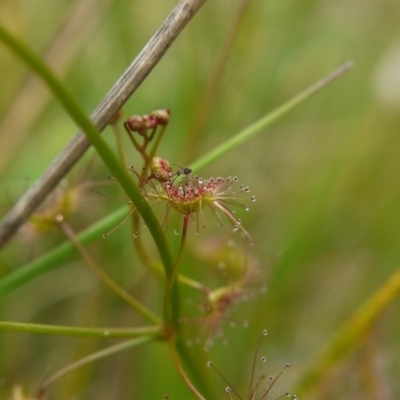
(60, 255)
(260, 125)
(108, 333)
(350, 335)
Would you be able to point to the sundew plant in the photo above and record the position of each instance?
(222, 182)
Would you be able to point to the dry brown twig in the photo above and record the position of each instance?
(114, 100)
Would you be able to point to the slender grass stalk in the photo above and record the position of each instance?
(171, 280)
(198, 373)
(143, 255)
(111, 350)
(181, 370)
(120, 144)
(172, 340)
(156, 144)
(260, 125)
(114, 333)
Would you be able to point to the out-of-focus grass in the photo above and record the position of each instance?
(326, 221)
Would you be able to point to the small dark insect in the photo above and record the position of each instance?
(183, 171)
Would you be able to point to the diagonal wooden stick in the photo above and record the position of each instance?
(113, 102)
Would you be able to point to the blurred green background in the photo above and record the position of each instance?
(326, 177)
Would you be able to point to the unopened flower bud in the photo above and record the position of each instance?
(150, 121)
(135, 123)
(160, 169)
(162, 116)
